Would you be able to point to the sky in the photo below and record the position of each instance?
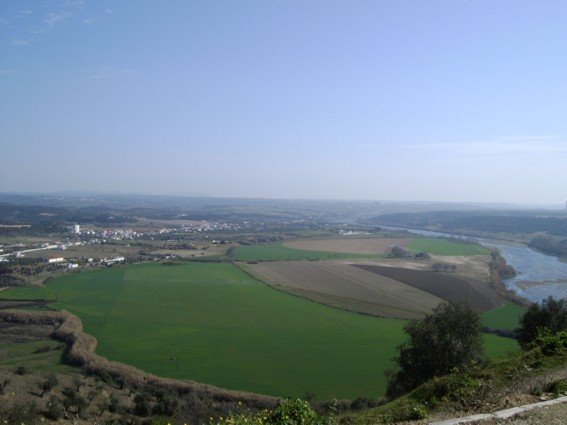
(437, 100)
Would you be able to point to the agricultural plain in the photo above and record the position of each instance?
(212, 323)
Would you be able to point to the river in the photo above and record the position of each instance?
(539, 275)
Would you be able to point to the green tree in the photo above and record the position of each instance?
(448, 338)
(550, 313)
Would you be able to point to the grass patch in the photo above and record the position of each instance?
(30, 293)
(496, 346)
(438, 246)
(505, 317)
(279, 252)
(42, 356)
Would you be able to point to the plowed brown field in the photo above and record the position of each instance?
(344, 286)
(446, 286)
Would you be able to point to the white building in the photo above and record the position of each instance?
(109, 261)
(77, 229)
(55, 259)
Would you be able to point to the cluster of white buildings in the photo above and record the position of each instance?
(201, 227)
(110, 261)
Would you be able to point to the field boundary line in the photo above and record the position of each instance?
(501, 414)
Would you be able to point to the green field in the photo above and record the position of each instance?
(505, 317)
(444, 247)
(230, 330)
(45, 356)
(278, 252)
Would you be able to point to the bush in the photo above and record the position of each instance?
(446, 340)
(361, 403)
(142, 405)
(74, 401)
(114, 405)
(22, 370)
(558, 388)
(398, 252)
(550, 314)
(54, 410)
(19, 413)
(3, 385)
(166, 404)
(292, 412)
(288, 412)
(549, 343)
(48, 384)
(406, 410)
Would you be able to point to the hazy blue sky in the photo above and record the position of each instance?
(450, 100)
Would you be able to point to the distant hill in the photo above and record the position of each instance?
(524, 222)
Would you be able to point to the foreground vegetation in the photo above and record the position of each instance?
(485, 387)
(443, 355)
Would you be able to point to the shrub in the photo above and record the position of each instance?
(54, 410)
(550, 314)
(26, 413)
(22, 370)
(3, 385)
(558, 388)
(48, 384)
(408, 410)
(288, 412)
(166, 404)
(361, 403)
(142, 405)
(114, 405)
(74, 401)
(548, 342)
(43, 349)
(295, 412)
(398, 252)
